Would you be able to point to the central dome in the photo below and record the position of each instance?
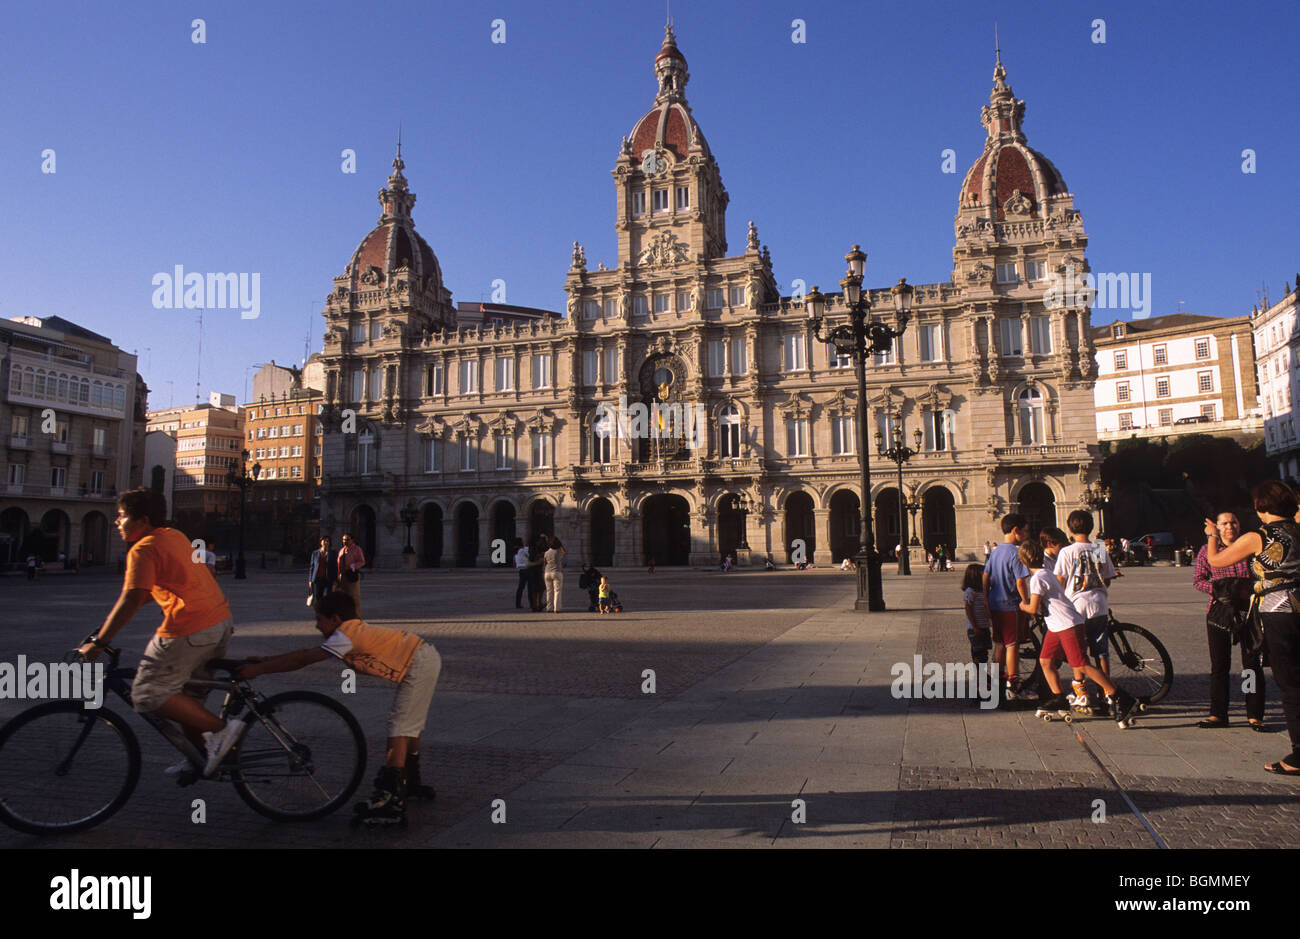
(669, 124)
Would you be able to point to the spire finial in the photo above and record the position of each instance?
(399, 140)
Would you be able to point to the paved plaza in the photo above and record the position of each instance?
(768, 689)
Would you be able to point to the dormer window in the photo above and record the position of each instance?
(1117, 331)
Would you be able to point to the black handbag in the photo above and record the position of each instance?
(1222, 616)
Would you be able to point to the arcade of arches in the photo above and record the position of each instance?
(671, 529)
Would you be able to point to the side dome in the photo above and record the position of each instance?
(394, 244)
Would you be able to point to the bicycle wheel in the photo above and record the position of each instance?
(301, 757)
(65, 768)
(1139, 663)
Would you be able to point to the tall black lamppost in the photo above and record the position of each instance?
(900, 454)
(859, 338)
(244, 479)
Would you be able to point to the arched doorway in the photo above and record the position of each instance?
(13, 533)
(602, 533)
(799, 526)
(1038, 506)
(666, 530)
(466, 534)
(361, 526)
(887, 533)
(730, 527)
(846, 523)
(541, 519)
(503, 528)
(431, 536)
(939, 518)
(56, 529)
(94, 538)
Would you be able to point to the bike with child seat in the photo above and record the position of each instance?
(1139, 662)
(65, 768)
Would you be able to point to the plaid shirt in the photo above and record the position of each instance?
(1205, 575)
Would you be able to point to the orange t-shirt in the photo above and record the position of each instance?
(375, 650)
(162, 562)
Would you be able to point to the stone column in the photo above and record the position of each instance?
(484, 558)
(822, 532)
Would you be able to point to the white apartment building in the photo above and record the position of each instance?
(1182, 372)
(1275, 345)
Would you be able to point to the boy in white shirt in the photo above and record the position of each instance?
(1085, 571)
(1048, 599)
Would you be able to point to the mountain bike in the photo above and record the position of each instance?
(65, 768)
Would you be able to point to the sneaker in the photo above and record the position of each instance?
(179, 767)
(1122, 707)
(219, 743)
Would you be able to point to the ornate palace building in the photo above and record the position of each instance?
(477, 432)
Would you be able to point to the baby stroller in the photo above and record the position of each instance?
(615, 604)
(590, 582)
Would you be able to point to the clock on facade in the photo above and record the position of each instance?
(652, 164)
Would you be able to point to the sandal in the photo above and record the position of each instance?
(1280, 769)
(1212, 723)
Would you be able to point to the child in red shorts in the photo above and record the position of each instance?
(1064, 635)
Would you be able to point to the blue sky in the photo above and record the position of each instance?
(225, 156)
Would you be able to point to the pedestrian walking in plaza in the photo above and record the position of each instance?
(322, 570)
(988, 549)
(350, 561)
(941, 558)
(536, 572)
(1274, 553)
(1006, 582)
(554, 574)
(402, 658)
(31, 567)
(521, 568)
(196, 625)
(1224, 585)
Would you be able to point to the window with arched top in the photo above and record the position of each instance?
(1030, 402)
(365, 452)
(602, 432)
(729, 432)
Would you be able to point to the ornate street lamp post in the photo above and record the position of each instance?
(1097, 499)
(408, 515)
(900, 454)
(914, 506)
(740, 503)
(244, 480)
(859, 338)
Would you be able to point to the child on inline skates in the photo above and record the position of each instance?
(1048, 599)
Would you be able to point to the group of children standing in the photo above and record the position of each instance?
(1063, 578)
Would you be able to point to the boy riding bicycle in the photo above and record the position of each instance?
(196, 625)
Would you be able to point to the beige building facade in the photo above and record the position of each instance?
(682, 408)
(73, 415)
(1277, 339)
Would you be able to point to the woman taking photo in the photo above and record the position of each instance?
(1205, 579)
(1274, 553)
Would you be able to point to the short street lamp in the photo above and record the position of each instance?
(900, 454)
(859, 338)
(740, 503)
(244, 479)
(914, 506)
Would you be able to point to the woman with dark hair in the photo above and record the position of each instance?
(1221, 583)
(1274, 553)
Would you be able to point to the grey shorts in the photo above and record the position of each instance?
(170, 661)
(411, 703)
